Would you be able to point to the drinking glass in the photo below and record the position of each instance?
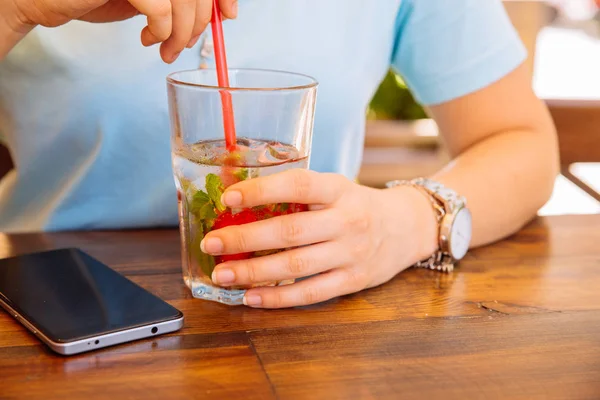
(273, 112)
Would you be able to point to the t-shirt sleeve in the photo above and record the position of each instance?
(449, 48)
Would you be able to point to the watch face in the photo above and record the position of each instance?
(460, 236)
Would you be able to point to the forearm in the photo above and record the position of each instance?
(505, 178)
(11, 31)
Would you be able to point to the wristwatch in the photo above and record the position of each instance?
(454, 223)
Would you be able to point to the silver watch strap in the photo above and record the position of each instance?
(439, 260)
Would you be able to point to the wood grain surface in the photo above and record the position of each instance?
(518, 319)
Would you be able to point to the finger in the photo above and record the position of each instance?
(292, 186)
(291, 264)
(193, 42)
(148, 39)
(202, 19)
(275, 233)
(159, 15)
(229, 8)
(184, 16)
(334, 283)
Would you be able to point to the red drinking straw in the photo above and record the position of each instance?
(222, 75)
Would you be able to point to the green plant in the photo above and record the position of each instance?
(393, 100)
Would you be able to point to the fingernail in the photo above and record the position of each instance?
(193, 42)
(223, 276)
(175, 57)
(211, 245)
(234, 8)
(232, 198)
(252, 300)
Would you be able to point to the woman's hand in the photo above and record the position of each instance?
(174, 23)
(352, 237)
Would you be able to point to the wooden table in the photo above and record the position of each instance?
(519, 319)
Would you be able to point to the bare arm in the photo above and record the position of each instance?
(505, 154)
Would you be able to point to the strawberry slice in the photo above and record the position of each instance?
(295, 207)
(227, 218)
(232, 257)
(246, 216)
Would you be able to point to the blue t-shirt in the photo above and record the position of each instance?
(83, 107)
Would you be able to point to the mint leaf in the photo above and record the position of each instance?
(205, 262)
(241, 174)
(202, 206)
(283, 207)
(214, 187)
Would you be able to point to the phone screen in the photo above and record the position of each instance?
(68, 295)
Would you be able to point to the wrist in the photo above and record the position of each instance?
(418, 216)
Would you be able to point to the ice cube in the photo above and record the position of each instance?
(274, 154)
(243, 141)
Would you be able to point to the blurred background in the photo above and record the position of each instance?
(563, 39)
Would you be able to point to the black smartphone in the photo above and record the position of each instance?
(74, 303)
